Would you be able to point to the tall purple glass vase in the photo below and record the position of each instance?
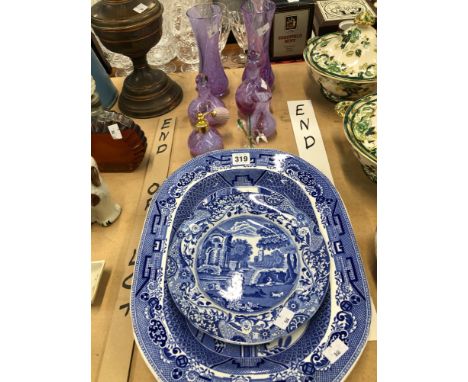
(258, 17)
(206, 25)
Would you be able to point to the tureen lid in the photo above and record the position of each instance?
(350, 54)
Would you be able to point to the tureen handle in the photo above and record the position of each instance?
(312, 40)
(365, 18)
(342, 107)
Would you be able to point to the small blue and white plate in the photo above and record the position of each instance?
(337, 333)
(246, 263)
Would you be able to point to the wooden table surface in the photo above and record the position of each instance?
(110, 244)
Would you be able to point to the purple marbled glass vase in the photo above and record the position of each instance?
(258, 17)
(250, 85)
(206, 25)
(205, 102)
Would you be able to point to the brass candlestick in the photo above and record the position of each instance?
(132, 28)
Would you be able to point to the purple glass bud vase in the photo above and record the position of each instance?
(258, 16)
(204, 138)
(250, 84)
(206, 24)
(205, 102)
(262, 120)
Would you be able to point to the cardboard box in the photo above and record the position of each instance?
(292, 26)
(329, 14)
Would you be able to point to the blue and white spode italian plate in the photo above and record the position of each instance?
(338, 332)
(245, 352)
(247, 263)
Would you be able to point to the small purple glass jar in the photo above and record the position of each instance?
(204, 138)
(204, 103)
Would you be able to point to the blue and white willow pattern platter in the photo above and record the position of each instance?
(247, 262)
(338, 332)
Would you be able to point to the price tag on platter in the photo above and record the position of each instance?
(140, 8)
(115, 131)
(284, 318)
(240, 159)
(335, 350)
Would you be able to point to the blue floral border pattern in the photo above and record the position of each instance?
(174, 357)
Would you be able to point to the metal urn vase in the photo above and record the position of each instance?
(132, 28)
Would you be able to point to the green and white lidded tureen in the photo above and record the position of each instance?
(360, 126)
(345, 63)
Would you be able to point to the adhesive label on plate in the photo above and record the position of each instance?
(115, 131)
(240, 159)
(140, 8)
(335, 350)
(262, 30)
(284, 318)
(250, 189)
(264, 84)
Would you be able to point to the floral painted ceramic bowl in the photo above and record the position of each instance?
(344, 64)
(360, 125)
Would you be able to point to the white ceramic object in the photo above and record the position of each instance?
(344, 63)
(103, 209)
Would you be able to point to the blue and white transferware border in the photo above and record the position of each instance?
(243, 352)
(174, 354)
(247, 262)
